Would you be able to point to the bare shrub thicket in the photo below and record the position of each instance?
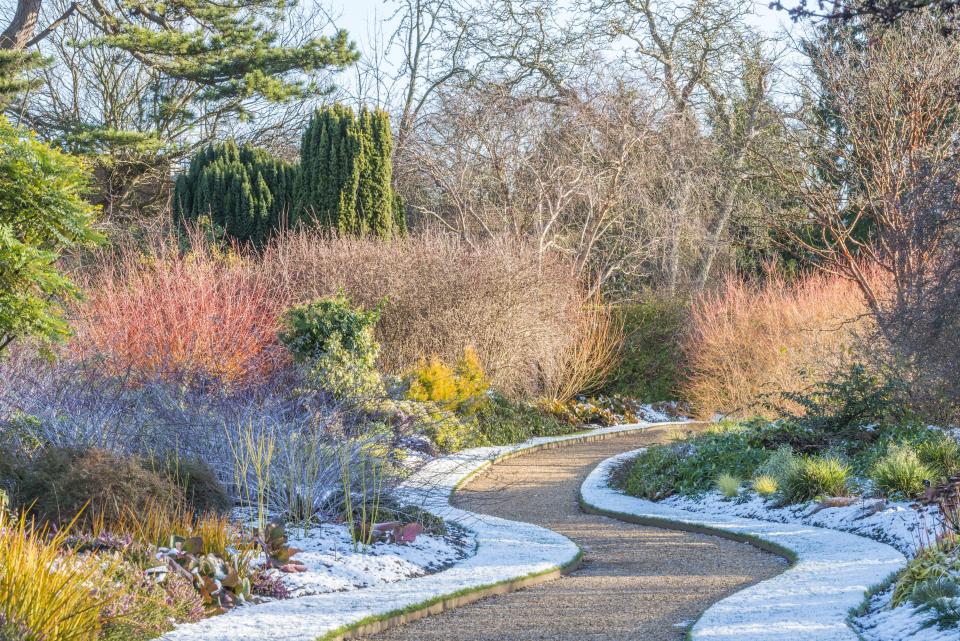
(520, 310)
(885, 196)
(749, 341)
(215, 314)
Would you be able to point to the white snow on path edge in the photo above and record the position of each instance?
(506, 551)
(810, 601)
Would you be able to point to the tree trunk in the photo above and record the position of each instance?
(20, 30)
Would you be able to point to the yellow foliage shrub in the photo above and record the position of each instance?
(461, 389)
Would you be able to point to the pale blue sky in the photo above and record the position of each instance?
(356, 15)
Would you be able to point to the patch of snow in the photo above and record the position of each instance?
(895, 523)
(333, 565)
(904, 623)
(506, 550)
(808, 602)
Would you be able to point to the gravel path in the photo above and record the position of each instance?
(636, 583)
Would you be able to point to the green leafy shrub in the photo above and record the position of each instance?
(765, 485)
(901, 473)
(336, 341)
(461, 389)
(817, 476)
(58, 483)
(689, 467)
(940, 561)
(729, 485)
(838, 410)
(651, 356)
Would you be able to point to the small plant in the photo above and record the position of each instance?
(336, 341)
(273, 541)
(729, 485)
(939, 599)
(901, 473)
(461, 389)
(780, 465)
(817, 476)
(765, 485)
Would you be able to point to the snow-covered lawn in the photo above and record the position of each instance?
(505, 551)
(808, 602)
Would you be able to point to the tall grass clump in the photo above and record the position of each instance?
(901, 472)
(47, 590)
(817, 476)
(748, 340)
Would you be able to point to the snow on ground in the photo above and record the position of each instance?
(506, 550)
(808, 602)
(895, 523)
(882, 623)
(333, 565)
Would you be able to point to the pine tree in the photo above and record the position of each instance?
(243, 191)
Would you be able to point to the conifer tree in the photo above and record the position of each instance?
(345, 178)
(243, 191)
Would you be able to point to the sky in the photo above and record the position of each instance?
(356, 15)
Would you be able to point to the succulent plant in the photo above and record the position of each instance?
(273, 541)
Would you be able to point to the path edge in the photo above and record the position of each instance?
(789, 554)
(436, 605)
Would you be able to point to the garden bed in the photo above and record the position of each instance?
(508, 555)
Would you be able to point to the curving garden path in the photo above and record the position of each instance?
(636, 583)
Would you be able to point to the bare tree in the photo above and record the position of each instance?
(883, 196)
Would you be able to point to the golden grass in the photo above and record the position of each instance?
(46, 588)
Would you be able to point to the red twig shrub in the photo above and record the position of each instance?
(168, 312)
(749, 340)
